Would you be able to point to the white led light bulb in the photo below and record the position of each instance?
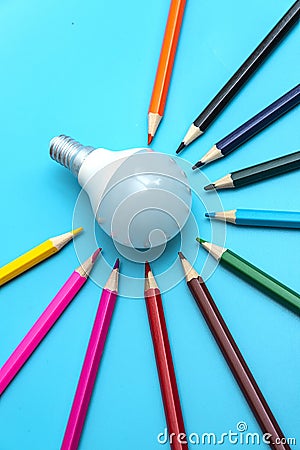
(139, 197)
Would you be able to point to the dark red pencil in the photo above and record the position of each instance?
(164, 363)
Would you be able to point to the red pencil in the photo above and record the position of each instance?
(164, 362)
(165, 66)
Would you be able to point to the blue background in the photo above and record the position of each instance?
(86, 69)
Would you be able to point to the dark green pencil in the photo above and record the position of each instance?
(259, 172)
(244, 269)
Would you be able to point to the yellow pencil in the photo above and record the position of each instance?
(35, 256)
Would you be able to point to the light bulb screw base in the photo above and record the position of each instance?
(69, 153)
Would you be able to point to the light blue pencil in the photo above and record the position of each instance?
(259, 217)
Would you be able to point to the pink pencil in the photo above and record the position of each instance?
(44, 323)
(91, 362)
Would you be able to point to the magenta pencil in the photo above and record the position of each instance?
(45, 322)
(91, 362)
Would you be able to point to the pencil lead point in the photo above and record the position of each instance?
(198, 165)
(209, 187)
(147, 269)
(95, 254)
(201, 241)
(77, 231)
(181, 147)
(211, 214)
(117, 264)
(189, 271)
(150, 137)
(85, 268)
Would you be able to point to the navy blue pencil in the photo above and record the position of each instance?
(258, 217)
(253, 126)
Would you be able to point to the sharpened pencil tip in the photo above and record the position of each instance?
(77, 231)
(181, 147)
(211, 214)
(147, 269)
(95, 254)
(201, 241)
(181, 255)
(150, 137)
(209, 187)
(117, 264)
(198, 165)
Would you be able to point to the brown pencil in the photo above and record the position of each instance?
(164, 362)
(234, 358)
(165, 66)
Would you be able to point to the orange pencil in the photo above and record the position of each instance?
(165, 66)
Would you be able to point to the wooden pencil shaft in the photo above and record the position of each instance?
(269, 285)
(188, 269)
(167, 56)
(150, 281)
(260, 121)
(259, 217)
(153, 123)
(44, 323)
(165, 367)
(266, 169)
(113, 280)
(236, 362)
(251, 64)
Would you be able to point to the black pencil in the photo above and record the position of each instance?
(241, 76)
(253, 126)
(258, 172)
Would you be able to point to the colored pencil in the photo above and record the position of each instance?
(45, 322)
(164, 362)
(165, 66)
(91, 361)
(255, 276)
(241, 76)
(233, 356)
(258, 217)
(259, 172)
(253, 126)
(35, 256)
